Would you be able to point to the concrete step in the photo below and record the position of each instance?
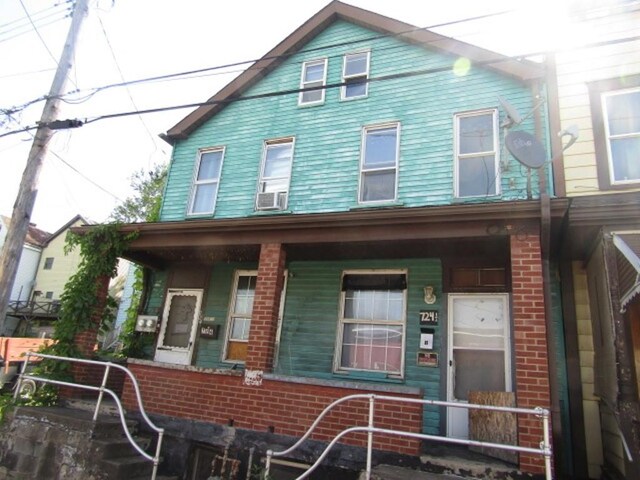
(126, 468)
(392, 472)
(121, 447)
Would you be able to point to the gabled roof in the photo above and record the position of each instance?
(66, 226)
(519, 69)
(35, 236)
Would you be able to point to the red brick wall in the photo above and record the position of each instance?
(530, 343)
(289, 407)
(266, 307)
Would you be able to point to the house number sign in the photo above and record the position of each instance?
(428, 317)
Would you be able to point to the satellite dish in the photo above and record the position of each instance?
(526, 148)
(513, 116)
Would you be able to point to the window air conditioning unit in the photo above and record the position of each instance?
(271, 200)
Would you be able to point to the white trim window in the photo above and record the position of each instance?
(371, 333)
(314, 74)
(355, 73)
(477, 166)
(621, 111)
(379, 163)
(206, 181)
(275, 174)
(239, 320)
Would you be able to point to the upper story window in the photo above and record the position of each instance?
(355, 72)
(48, 263)
(275, 174)
(371, 331)
(477, 169)
(621, 111)
(206, 182)
(314, 74)
(379, 163)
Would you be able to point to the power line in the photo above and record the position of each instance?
(77, 123)
(38, 33)
(115, 61)
(36, 16)
(273, 57)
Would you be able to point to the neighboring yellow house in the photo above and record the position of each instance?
(597, 88)
(55, 266)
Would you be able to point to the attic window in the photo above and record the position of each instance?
(355, 73)
(48, 263)
(314, 74)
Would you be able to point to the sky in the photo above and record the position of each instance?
(87, 170)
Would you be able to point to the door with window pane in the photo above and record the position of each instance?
(179, 325)
(240, 316)
(479, 352)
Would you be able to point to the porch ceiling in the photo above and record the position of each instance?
(361, 233)
(588, 216)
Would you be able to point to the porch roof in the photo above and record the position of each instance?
(628, 261)
(359, 233)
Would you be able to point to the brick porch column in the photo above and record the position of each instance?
(530, 343)
(86, 342)
(266, 308)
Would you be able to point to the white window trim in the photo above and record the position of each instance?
(263, 179)
(195, 183)
(609, 137)
(365, 130)
(458, 156)
(231, 312)
(345, 78)
(337, 357)
(304, 84)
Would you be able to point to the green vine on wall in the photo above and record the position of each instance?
(100, 248)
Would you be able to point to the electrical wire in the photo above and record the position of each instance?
(255, 61)
(44, 44)
(36, 16)
(298, 90)
(115, 61)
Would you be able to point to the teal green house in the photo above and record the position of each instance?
(344, 218)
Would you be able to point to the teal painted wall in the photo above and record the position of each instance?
(312, 303)
(325, 170)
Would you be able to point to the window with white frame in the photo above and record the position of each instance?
(372, 326)
(314, 74)
(239, 321)
(477, 169)
(379, 163)
(621, 110)
(275, 175)
(355, 72)
(207, 179)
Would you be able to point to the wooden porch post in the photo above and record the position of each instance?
(266, 309)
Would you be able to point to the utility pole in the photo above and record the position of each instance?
(23, 207)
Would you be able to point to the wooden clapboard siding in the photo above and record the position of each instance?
(325, 172)
(575, 69)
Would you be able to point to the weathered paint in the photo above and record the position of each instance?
(310, 321)
(325, 170)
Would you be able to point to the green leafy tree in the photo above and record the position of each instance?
(144, 204)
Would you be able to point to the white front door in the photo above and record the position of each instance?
(179, 326)
(479, 352)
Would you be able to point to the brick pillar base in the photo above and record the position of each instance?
(87, 342)
(530, 343)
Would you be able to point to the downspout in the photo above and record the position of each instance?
(545, 246)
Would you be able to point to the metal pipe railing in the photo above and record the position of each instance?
(544, 449)
(101, 390)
